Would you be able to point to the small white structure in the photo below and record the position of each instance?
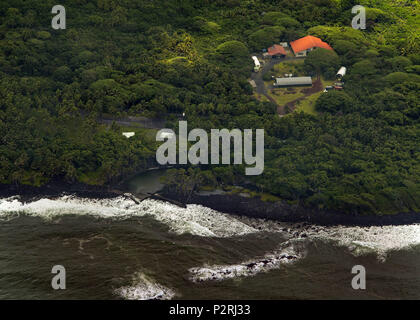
(341, 73)
(256, 63)
(128, 134)
(252, 83)
(284, 44)
(164, 135)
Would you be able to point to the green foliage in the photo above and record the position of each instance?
(398, 64)
(322, 61)
(364, 68)
(232, 49)
(233, 54)
(360, 154)
(400, 77)
(43, 35)
(266, 37)
(200, 24)
(271, 18)
(63, 74)
(334, 101)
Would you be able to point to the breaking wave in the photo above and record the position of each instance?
(378, 239)
(289, 252)
(194, 219)
(205, 222)
(143, 288)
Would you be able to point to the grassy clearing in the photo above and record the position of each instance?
(147, 134)
(308, 105)
(261, 97)
(286, 95)
(295, 67)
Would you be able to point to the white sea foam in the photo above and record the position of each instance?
(194, 219)
(288, 253)
(360, 240)
(144, 288)
(205, 222)
(380, 240)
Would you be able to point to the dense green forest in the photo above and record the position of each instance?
(360, 153)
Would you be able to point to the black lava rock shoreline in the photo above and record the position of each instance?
(282, 211)
(228, 203)
(56, 189)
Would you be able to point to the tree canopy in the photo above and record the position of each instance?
(357, 153)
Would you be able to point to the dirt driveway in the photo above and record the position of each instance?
(258, 78)
(316, 87)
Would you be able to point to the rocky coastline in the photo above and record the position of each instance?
(253, 207)
(236, 204)
(56, 188)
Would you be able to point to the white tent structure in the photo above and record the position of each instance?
(341, 73)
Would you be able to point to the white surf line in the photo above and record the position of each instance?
(195, 219)
(378, 239)
(143, 288)
(290, 252)
(205, 222)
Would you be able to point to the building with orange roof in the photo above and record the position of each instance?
(303, 46)
(276, 51)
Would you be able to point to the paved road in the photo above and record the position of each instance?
(144, 122)
(135, 122)
(258, 78)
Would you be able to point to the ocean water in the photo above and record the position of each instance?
(116, 249)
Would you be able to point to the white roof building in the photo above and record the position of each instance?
(293, 81)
